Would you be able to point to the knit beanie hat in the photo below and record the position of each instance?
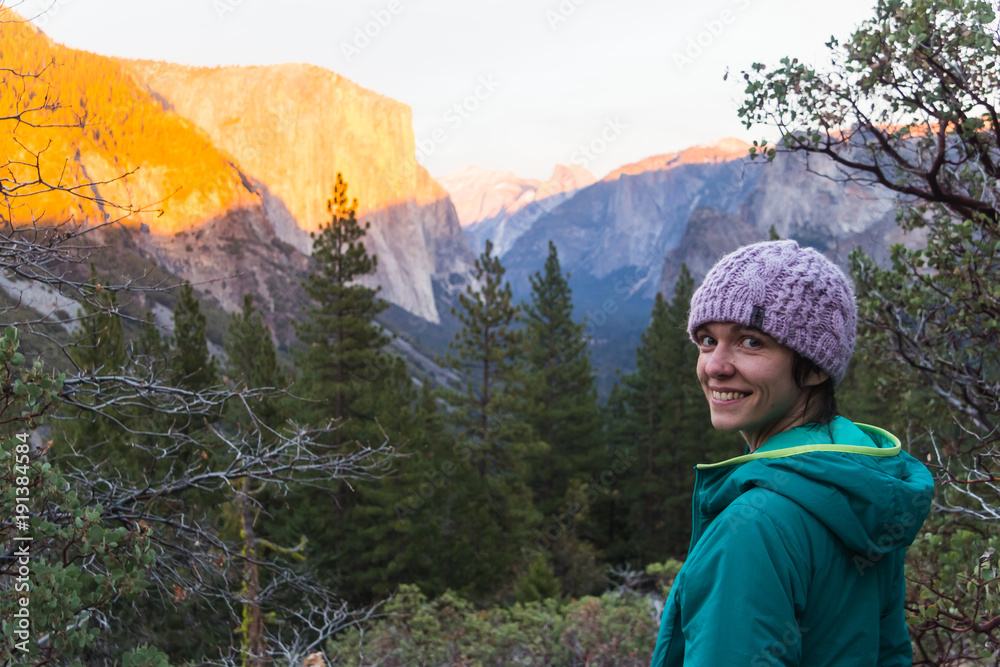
(795, 295)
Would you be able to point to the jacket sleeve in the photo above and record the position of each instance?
(895, 649)
(737, 603)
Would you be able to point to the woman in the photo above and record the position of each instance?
(797, 547)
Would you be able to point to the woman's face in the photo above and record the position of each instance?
(747, 378)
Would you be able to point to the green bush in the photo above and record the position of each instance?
(614, 629)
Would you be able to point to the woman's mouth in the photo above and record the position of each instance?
(729, 395)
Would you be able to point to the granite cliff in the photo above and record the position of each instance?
(231, 167)
(292, 128)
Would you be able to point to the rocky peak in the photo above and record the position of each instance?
(724, 150)
(500, 206)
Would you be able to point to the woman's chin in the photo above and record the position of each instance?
(725, 423)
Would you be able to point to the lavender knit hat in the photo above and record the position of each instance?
(795, 295)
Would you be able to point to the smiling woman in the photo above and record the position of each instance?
(797, 546)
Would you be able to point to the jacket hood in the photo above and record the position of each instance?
(853, 478)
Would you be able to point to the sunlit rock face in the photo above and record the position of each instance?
(292, 128)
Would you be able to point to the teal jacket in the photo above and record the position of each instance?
(796, 554)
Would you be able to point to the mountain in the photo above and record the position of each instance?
(629, 220)
(232, 168)
(86, 121)
(201, 217)
(500, 206)
(724, 150)
(293, 128)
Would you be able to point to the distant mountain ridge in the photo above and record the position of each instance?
(500, 206)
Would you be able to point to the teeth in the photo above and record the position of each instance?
(728, 395)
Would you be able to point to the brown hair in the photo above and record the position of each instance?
(821, 404)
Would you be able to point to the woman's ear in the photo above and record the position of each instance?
(815, 377)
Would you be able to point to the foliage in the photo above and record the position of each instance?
(347, 376)
(169, 440)
(192, 365)
(614, 629)
(664, 573)
(538, 583)
(953, 567)
(77, 562)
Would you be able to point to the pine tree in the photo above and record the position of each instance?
(252, 359)
(192, 365)
(491, 503)
(396, 522)
(252, 362)
(150, 344)
(341, 360)
(99, 349)
(562, 399)
(346, 377)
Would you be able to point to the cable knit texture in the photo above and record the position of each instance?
(802, 300)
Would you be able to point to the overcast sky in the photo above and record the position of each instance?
(535, 81)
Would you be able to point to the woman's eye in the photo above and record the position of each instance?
(750, 341)
(706, 341)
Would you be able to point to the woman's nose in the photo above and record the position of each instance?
(719, 363)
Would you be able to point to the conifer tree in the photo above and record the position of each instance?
(150, 343)
(492, 503)
(562, 399)
(192, 365)
(340, 362)
(346, 376)
(99, 349)
(396, 522)
(252, 360)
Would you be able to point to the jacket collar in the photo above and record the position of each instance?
(840, 435)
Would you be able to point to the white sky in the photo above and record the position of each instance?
(562, 69)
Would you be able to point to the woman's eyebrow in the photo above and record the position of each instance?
(743, 329)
